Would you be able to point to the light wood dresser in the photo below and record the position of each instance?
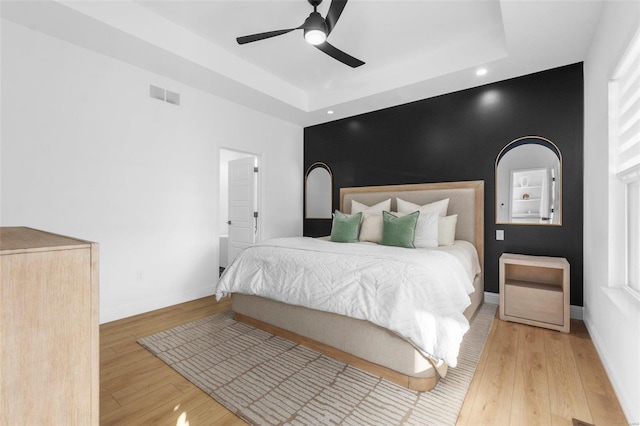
(49, 353)
(534, 290)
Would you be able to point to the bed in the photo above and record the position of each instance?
(359, 342)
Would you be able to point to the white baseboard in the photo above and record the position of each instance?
(493, 298)
(575, 312)
(151, 304)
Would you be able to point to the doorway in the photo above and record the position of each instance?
(243, 230)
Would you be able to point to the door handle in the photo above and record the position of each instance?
(228, 222)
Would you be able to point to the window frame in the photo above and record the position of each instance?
(624, 174)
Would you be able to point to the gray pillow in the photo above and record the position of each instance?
(345, 229)
(399, 231)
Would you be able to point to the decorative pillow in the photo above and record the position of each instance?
(437, 206)
(447, 230)
(357, 207)
(345, 229)
(427, 231)
(399, 231)
(371, 228)
(426, 235)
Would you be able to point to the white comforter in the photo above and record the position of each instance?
(420, 294)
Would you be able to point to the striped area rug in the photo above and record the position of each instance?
(267, 380)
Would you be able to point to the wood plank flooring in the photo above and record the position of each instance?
(533, 376)
(526, 376)
(136, 388)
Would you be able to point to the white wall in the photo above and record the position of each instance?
(611, 315)
(87, 153)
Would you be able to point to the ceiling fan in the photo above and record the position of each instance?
(316, 30)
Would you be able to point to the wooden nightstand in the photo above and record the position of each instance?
(534, 290)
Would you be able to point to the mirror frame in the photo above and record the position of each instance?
(318, 164)
(526, 140)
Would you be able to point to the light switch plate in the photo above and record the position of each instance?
(499, 234)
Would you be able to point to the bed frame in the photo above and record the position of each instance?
(358, 342)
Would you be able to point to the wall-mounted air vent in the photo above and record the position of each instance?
(172, 97)
(164, 95)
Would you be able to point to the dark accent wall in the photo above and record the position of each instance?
(457, 137)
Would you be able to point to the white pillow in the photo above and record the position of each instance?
(426, 231)
(426, 235)
(447, 230)
(357, 207)
(371, 228)
(438, 206)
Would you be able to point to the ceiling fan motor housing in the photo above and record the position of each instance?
(315, 21)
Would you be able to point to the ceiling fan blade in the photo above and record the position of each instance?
(335, 10)
(340, 55)
(262, 36)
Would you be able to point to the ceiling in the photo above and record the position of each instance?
(412, 49)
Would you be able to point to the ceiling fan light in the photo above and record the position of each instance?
(315, 37)
(315, 29)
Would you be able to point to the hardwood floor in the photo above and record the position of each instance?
(136, 388)
(532, 376)
(526, 376)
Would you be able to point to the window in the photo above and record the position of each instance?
(633, 228)
(625, 140)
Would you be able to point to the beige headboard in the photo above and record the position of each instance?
(466, 199)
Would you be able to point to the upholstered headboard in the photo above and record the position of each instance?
(466, 199)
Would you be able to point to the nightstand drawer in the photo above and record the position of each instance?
(537, 302)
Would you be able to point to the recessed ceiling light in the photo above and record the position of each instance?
(481, 72)
(330, 112)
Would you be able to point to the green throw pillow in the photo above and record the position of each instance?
(345, 229)
(399, 231)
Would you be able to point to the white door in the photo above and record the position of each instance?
(242, 205)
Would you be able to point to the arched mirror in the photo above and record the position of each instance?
(529, 182)
(318, 189)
